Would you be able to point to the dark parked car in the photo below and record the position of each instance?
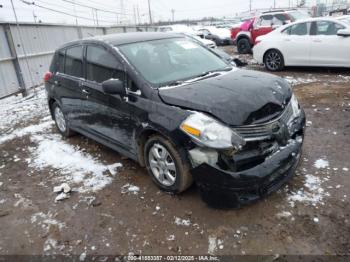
(178, 109)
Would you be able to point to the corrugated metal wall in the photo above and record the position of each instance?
(39, 41)
(8, 78)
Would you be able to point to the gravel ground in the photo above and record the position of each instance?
(115, 208)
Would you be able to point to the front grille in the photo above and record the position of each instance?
(264, 131)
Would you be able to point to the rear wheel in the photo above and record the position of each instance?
(243, 46)
(273, 60)
(167, 165)
(60, 121)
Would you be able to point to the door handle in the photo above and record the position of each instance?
(86, 92)
(287, 40)
(317, 41)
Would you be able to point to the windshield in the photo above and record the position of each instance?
(296, 15)
(166, 61)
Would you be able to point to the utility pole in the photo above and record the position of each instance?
(150, 12)
(274, 4)
(138, 14)
(96, 17)
(250, 5)
(121, 11)
(75, 13)
(34, 16)
(173, 14)
(24, 90)
(135, 17)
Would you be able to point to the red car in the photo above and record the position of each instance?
(244, 36)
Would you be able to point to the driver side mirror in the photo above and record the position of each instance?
(114, 87)
(343, 32)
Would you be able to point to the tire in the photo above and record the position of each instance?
(273, 60)
(243, 46)
(60, 121)
(170, 171)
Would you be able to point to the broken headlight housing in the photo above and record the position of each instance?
(295, 106)
(208, 132)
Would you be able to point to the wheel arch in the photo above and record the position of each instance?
(244, 34)
(51, 101)
(142, 137)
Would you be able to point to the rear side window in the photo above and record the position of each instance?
(326, 28)
(102, 65)
(60, 61)
(57, 64)
(74, 61)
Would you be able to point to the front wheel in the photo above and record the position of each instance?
(273, 60)
(167, 165)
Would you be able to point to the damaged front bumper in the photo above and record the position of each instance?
(221, 188)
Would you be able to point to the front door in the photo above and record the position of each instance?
(262, 26)
(107, 116)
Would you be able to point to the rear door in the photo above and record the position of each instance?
(67, 78)
(107, 116)
(296, 44)
(327, 48)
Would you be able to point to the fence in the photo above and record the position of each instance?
(26, 50)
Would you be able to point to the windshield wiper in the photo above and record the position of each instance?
(173, 83)
(197, 77)
(211, 73)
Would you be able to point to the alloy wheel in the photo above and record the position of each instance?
(273, 60)
(60, 120)
(162, 165)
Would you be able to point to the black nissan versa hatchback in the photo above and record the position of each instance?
(181, 111)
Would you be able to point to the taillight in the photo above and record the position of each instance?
(47, 76)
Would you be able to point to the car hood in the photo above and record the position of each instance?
(238, 97)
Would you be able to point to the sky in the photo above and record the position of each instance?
(134, 10)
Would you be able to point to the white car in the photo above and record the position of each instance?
(184, 29)
(321, 42)
(221, 36)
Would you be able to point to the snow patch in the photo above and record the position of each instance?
(129, 188)
(213, 244)
(314, 194)
(284, 214)
(22, 201)
(182, 222)
(16, 110)
(76, 167)
(45, 220)
(321, 163)
(33, 129)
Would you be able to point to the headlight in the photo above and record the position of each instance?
(208, 132)
(295, 106)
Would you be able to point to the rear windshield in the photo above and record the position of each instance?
(296, 15)
(168, 60)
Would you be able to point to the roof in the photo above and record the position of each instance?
(128, 38)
